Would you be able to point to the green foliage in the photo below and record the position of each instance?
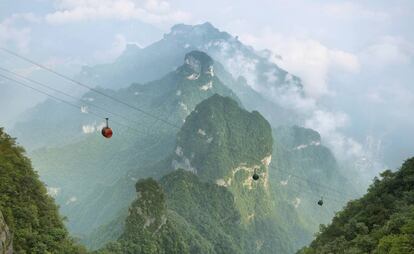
(148, 228)
(209, 208)
(380, 222)
(201, 218)
(29, 212)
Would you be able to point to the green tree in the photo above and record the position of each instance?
(380, 222)
(30, 213)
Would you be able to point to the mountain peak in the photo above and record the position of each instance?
(200, 32)
(207, 27)
(131, 49)
(199, 62)
(228, 134)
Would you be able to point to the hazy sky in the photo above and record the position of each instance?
(355, 57)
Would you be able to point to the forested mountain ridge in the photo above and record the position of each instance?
(31, 215)
(180, 214)
(380, 222)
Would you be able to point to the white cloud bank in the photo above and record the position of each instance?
(314, 63)
(306, 58)
(388, 50)
(148, 11)
(351, 11)
(12, 33)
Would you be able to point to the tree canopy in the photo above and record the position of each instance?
(380, 222)
(28, 210)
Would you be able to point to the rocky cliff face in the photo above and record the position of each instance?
(200, 62)
(6, 239)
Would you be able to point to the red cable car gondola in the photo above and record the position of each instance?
(106, 131)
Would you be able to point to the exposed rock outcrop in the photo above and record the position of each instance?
(6, 238)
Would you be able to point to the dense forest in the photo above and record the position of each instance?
(380, 222)
(30, 214)
(180, 215)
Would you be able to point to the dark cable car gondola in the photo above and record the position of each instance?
(255, 176)
(320, 202)
(106, 131)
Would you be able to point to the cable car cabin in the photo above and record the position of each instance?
(320, 202)
(255, 175)
(106, 131)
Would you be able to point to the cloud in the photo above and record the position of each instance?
(388, 50)
(352, 11)
(15, 35)
(314, 63)
(329, 125)
(148, 11)
(327, 122)
(118, 46)
(71, 200)
(307, 58)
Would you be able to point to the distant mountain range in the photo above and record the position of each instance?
(254, 78)
(136, 64)
(222, 126)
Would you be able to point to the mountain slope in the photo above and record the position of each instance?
(382, 221)
(179, 215)
(148, 229)
(208, 208)
(302, 171)
(28, 211)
